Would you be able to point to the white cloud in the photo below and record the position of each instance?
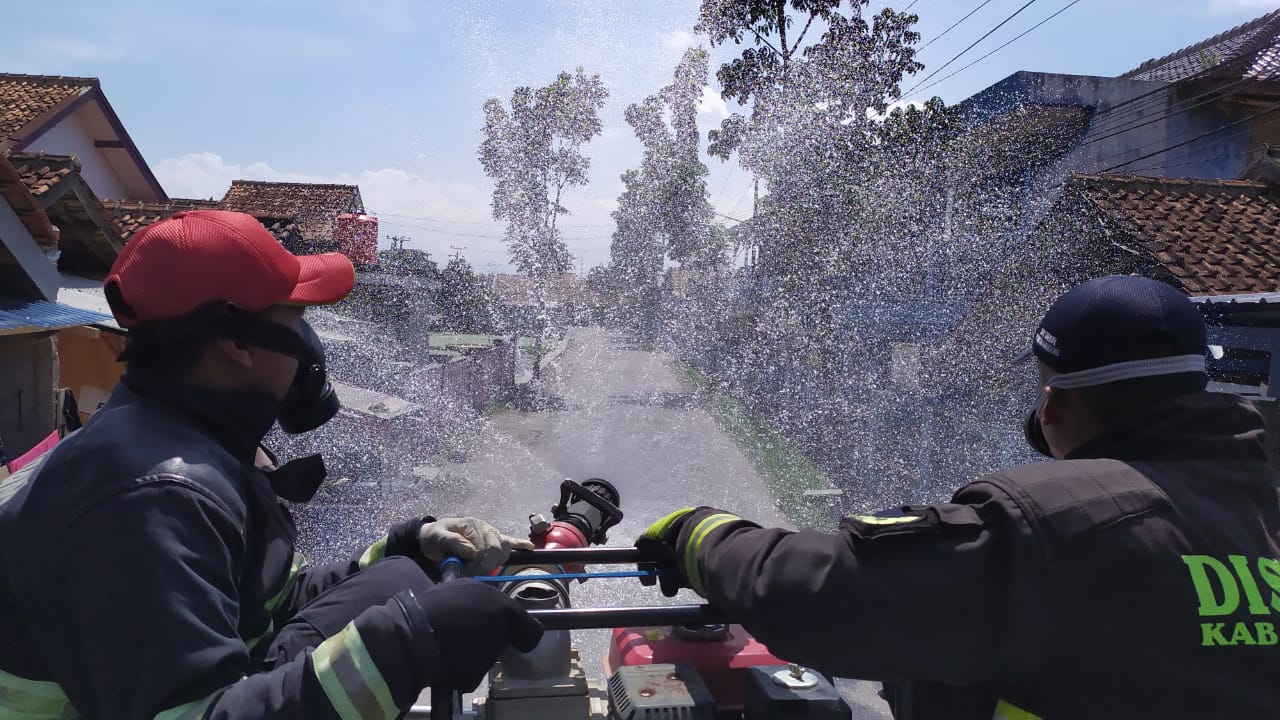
(711, 106)
(895, 105)
(206, 174)
(439, 216)
(680, 40)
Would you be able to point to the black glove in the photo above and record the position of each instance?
(673, 543)
(472, 624)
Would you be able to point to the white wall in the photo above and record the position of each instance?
(74, 136)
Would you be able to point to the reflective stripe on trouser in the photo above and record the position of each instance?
(23, 699)
(351, 681)
(700, 532)
(1006, 710)
(373, 553)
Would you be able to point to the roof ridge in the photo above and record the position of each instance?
(1087, 179)
(290, 182)
(1216, 39)
(93, 81)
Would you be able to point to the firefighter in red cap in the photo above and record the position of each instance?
(149, 569)
(1137, 575)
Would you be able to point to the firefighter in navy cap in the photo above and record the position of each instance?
(147, 566)
(1136, 575)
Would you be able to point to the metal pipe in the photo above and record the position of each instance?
(604, 618)
(580, 556)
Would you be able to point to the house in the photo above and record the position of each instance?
(1052, 179)
(32, 319)
(71, 116)
(313, 207)
(1214, 239)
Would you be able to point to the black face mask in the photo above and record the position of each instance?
(1034, 432)
(311, 401)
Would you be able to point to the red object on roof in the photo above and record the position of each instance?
(357, 237)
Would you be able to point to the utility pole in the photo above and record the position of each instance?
(457, 251)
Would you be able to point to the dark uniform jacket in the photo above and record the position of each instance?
(1139, 578)
(146, 565)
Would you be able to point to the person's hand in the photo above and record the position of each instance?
(660, 542)
(472, 624)
(481, 546)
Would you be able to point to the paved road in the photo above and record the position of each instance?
(626, 416)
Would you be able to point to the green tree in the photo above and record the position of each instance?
(663, 211)
(532, 151)
(810, 131)
(463, 298)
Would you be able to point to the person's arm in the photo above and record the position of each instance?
(935, 595)
(308, 581)
(146, 623)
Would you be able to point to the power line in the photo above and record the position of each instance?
(1007, 44)
(1201, 136)
(971, 46)
(452, 233)
(1150, 99)
(473, 222)
(954, 24)
(1209, 95)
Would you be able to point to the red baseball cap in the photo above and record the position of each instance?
(197, 257)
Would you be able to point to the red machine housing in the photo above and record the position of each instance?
(560, 534)
(722, 663)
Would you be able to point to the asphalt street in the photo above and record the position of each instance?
(625, 414)
(617, 412)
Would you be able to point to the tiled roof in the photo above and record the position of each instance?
(26, 100)
(1213, 236)
(1251, 50)
(133, 215)
(314, 207)
(14, 191)
(42, 173)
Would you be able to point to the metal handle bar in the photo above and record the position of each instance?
(603, 618)
(581, 556)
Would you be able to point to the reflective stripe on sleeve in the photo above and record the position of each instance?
(700, 532)
(351, 680)
(33, 699)
(194, 710)
(296, 565)
(1006, 710)
(374, 553)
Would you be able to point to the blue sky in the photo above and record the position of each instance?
(388, 93)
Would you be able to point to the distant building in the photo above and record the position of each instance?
(313, 207)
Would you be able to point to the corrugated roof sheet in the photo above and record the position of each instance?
(23, 314)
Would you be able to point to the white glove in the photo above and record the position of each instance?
(481, 546)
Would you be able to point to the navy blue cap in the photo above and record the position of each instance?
(1103, 330)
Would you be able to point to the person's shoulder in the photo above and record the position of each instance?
(1065, 498)
(135, 448)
